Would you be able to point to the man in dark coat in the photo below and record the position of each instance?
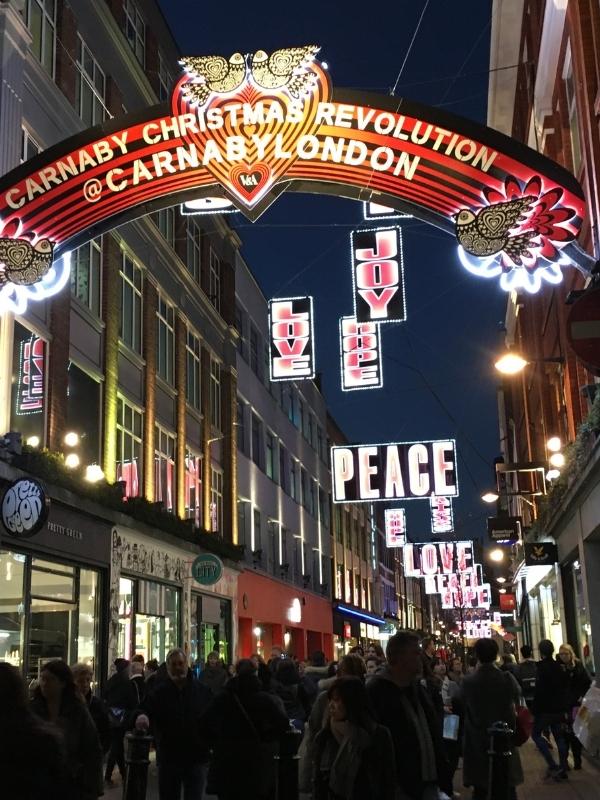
(550, 710)
(175, 708)
(488, 695)
(403, 705)
(121, 700)
(244, 725)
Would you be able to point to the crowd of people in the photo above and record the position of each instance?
(392, 726)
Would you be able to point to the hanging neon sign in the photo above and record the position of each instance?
(292, 339)
(442, 514)
(360, 355)
(31, 380)
(378, 275)
(377, 211)
(406, 470)
(395, 527)
(249, 127)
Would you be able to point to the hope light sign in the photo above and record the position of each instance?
(360, 355)
(401, 471)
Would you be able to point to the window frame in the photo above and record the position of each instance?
(98, 99)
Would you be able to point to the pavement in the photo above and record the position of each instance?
(583, 784)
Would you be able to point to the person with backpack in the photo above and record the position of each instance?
(526, 674)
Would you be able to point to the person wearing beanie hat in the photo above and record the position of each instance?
(121, 700)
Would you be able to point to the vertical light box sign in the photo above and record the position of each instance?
(442, 514)
(378, 275)
(395, 527)
(292, 341)
(360, 355)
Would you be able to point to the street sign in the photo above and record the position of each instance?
(504, 529)
(540, 554)
(24, 508)
(207, 569)
(583, 329)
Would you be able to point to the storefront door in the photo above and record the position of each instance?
(148, 619)
(210, 628)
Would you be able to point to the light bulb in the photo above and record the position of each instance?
(489, 497)
(510, 363)
(552, 474)
(553, 444)
(557, 460)
(71, 439)
(33, 441)
(94, 473)
(72, 461)
(497, 554)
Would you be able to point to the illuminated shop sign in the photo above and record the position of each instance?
(208, 205)
(247, 127)
(378, 275)
(292, 338)
(442, 514)
(360, 354)
(395, 527)
(402, 471)
(437, 558)
(377, 211)
(31, 380)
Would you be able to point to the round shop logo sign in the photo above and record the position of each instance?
(24, 508)
(207, 569)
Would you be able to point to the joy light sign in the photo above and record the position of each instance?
(378, 275)
(442, 515)
(292, 338)
(406, 471)
(360, 351)
(395, 527)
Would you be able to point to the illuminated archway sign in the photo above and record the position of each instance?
(250, 127)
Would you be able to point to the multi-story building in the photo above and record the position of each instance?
(138, 359)
(283, 495)
(549, 100)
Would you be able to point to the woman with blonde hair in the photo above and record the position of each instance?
(578, 683)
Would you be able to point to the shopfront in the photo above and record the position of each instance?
(276, 614)
(539, 603)
(353, 627)
(53, 589)
(156, 605)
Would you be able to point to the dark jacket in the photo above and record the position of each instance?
(551, 685)
(527, 675)
(82, 747)
(176, 719)
(488, 695)
(387, 702)
(578, 682)
(119, 692)
(244, 724)
(364, 764)
(294, 699)
(214, 678)
(32, 758)
(99, 714)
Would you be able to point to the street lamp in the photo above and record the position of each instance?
(497, 554)
(490, 497)
(512, 363)
(557, 460)
(501, 580)
(554, 444)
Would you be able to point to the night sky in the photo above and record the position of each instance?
(438, 375)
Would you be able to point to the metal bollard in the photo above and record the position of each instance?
(501, 743)
(137, 761)
(287, 765)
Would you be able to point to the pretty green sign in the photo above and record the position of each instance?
(207, 569)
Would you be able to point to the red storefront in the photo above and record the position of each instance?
(274, 613)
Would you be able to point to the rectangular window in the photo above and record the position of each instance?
(29, 146)
(299, 415)
(242, 522)
(273, 554)
(365, 593)
(357, 589)
(164, 78)
(254, 349)
(348, 586)
(164, 468)
(165, 340)
(215, 393)
(194, 248)
(256, 440)
(131, 304)
(216, 500)
(283, 471)
(293, 479)
(339, 582)
(304, 494)
(270, 453)
(86, 266)
(323, 508)
(165, 222)
(320, 444)
(256, 530)
(83, 412)
(572, 112)
(193, 383)
(91, 84)
(312, 497)
(214, 288)
(239, 326)
(135, 30)
(241, 430)
(41, 21)
(284, 546)
(129, 447)
(297, 559)
(193, 486)
(337, 518)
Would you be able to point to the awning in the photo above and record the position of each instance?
(364, 616)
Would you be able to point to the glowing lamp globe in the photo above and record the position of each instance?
(497, 554)
(554, 444)
(557, 460)
(510, 364)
